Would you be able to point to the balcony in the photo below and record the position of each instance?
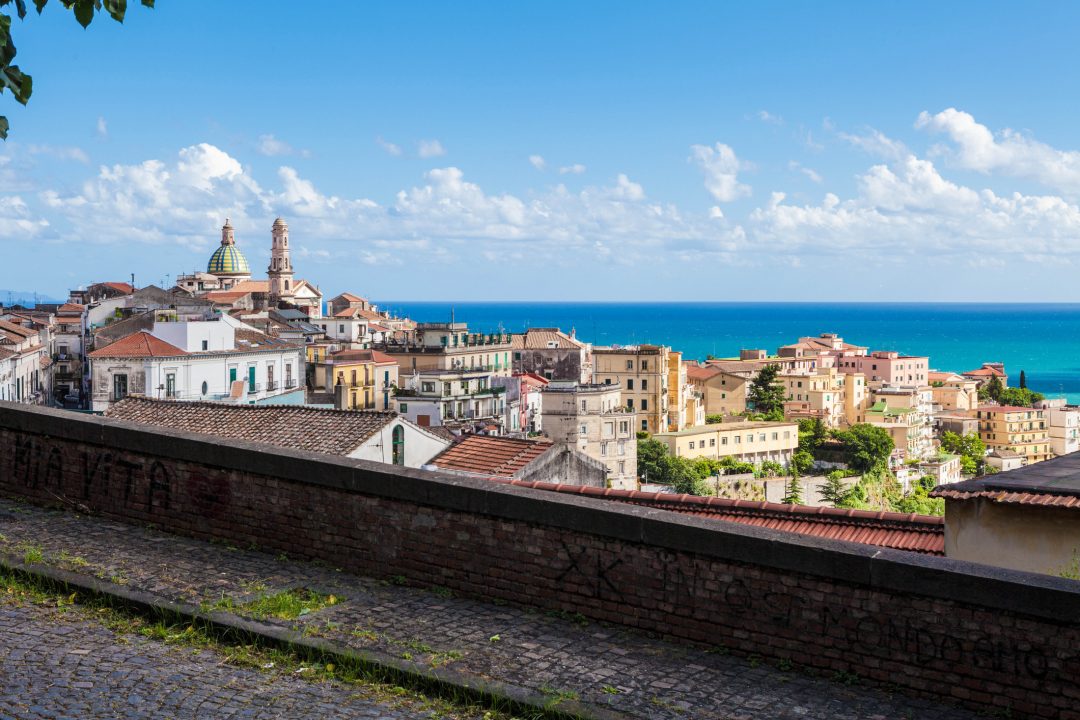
(253, 389)
(289, 383)
(271, 385)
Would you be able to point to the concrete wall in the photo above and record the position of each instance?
(566, 466)
(985, 636)
(1021, 537)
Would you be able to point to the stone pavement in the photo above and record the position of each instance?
(64, 665)
(561, 657)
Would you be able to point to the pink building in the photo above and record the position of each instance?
(890, 368)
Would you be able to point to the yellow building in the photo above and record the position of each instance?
(838, 399)
(723, 392)
(752, 442)
(1023, 430)
(361, 379)
(642, 371)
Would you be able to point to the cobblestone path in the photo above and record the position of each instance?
(64, 665)
(559, 656)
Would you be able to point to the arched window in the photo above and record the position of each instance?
(205, 387)
(399, 445)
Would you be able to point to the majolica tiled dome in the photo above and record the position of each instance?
(228, 260)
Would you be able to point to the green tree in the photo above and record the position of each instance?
(683, 475)
(650, 454)
(766, 395)
(993, 389)
(970, 448)
(1023, 380)
(867, 446)
(812, 433)
(12, 77)
(793, 491)
(802, 461)
(1020, 397)
(714, 419)
(834, 489)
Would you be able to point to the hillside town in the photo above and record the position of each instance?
(792, 424)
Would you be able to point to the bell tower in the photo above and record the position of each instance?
(280, 271)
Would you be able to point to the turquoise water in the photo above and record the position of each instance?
(1041, 339)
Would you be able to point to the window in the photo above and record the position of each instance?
(624, 427)
(582, 406)
(607, 381)
(583, 430)
(622, 447)
(205, 344)
(629, 364)
(399, 445)
(723, 441)
(517, 356)
(622, 467)
(629, 403)
(352, 378)
(340, 328)
(427, 387)
(120, 387)
(170, 385)
(403, 408)
(776, 436)
(644, 424)
(644, 404)
(630, 383)
(761, 437)
(644, 364)
(603, 449)
(205, 387)
(712, 442)
(644, 384)
(691, 444)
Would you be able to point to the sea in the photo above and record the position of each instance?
(1043, 340)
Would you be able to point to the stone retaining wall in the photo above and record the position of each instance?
(985, 637)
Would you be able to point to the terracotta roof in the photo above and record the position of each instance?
(123, 287)
(917, 533)
(541, 339)
(985, 372)
(350, 297)
(496, 456)
(698, 372)
(737, 366)
(139, 344)
(70, 308)
(257, 286)
(362, 356)
(336, 432)
(254, 339)
(5, 353)
(17, 329)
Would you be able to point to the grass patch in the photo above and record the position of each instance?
(417, 695)
(286, 605)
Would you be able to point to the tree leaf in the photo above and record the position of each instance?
(116, 8)
(84, 12)
(40, 5)
(148, 3)
(20, 7)
(3, 127)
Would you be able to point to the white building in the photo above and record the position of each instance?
(592, 419)
(377, 436)
(462, 400)
(24, 363)
(1064, 429)
(213, 360)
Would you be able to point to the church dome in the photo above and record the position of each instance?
(228, 260)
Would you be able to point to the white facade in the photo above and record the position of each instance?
(589, 418)
(418, 445)
(1064, 430)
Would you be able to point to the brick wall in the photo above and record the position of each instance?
(982, 636)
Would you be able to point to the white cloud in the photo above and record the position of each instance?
(273, 147)
(102, 128)
(59, 152)
(906, 208)
(626, 189)
(1007, 152)
(721, 168)
(767, 117)
(389, 147)
(430, 149)
(538, 161)
(808, 172)
(575, 169)
(876, 143)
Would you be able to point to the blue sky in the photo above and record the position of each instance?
(589, 151)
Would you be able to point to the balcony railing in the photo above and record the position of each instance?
(271, 385)
(290, 383)
(254, 388)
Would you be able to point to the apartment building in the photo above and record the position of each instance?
(835, 398)
(592, 418)
(552, 354)
(753, 442)
(359, 379)
(912, 407)
(723, 391)
(462, 400)
(642, 372)
(1064, 424)
(449, 346)
(1020, 429)
(953, 392)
